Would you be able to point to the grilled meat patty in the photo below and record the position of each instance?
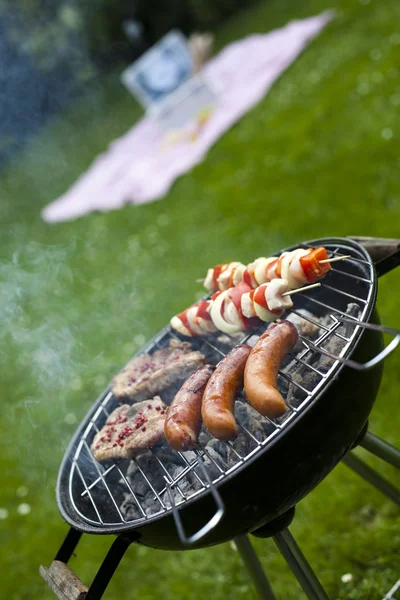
(130, 429)
(148, 374)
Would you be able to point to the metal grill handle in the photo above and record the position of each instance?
(373, 361)
(213, 522)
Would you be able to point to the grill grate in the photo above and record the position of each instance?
(96, 492)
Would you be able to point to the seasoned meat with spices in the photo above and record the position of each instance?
(130, 429)
(148, 374)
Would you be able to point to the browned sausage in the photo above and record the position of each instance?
(219, 395)
(183, 420)
(261, 372)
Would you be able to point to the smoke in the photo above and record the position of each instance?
(55, 322)
(38, 344)
(42, 351)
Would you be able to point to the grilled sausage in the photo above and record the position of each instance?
(183, 420)
(261, 372)
(219, 395)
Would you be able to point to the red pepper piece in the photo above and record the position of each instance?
(311, 265)
(202, 311)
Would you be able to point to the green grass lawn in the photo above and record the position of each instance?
(319, 156)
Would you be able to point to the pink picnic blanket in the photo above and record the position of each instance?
(138, 168)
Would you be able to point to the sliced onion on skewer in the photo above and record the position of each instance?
(202, 317)
(191, 315)
(231, 314)
(261, 265)
(217, 309)
(247, 306)
(238, 274)
(261, 305)
(264, 314)
(291, 269)
(225, 280)
(273, 294)
(177, 324)
(296, 270)
(209, 280)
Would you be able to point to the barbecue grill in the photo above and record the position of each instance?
(179, 500)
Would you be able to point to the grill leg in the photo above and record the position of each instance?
(299, 565)
(382, 449)
(370, 475)
(254, 568)
(108, 567)
(68, 546)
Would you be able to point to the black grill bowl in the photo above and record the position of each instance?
(281, 473)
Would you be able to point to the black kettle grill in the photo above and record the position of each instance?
(330, 383)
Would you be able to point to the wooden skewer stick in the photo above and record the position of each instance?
(302, 289)
(199, 280)
(336, 259)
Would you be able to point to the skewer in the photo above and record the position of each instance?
(336, 259)
(321, 262)
(302, 289)
(295, 291)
